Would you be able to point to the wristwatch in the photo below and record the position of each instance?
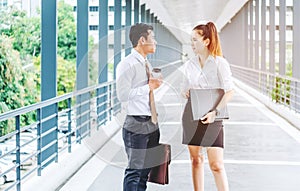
(217, 111)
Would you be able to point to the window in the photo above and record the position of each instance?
(3, 3)
(112, 8)
(94, 27)
(111, 46)
(111, 27)
(94, 8)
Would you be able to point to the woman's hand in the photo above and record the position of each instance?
(209, 117)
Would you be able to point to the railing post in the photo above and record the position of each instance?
(18, 160)
(69, 125)
(39, 142)
(56, 134)
(79, 120)
(110, 103)
(90, 116)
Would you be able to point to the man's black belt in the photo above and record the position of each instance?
(141, 118)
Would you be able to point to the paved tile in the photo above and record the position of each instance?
(259, 153)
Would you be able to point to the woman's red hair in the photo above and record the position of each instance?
(209, 31)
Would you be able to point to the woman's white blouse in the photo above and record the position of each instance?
(216, 73)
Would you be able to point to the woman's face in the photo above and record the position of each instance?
(198, 44)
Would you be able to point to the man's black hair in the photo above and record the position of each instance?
(137, 31)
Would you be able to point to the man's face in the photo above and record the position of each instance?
(149, 44)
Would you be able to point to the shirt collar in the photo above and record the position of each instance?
(138, 56)
(210, 58)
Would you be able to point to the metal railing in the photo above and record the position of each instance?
(21, 149)
(23, 155)
(280, 89)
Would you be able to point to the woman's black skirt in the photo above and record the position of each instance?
(197, 133)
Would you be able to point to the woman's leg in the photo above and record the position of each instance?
(215, 158)
(197, 160)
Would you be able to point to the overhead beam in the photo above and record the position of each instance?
(230, 10)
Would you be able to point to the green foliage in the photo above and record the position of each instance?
(8, 20)
(281, 92)
(20, 45)
(66, 31)
(66, 72)
(93, 66)
(27, 37)
(16, 88)
(24, 31)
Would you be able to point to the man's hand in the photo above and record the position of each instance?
(187, 94)
(154, 83)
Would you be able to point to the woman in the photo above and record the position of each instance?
(208, 69)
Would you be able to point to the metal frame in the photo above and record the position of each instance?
(72, 129)
(48, 74)
(269, 79)
(99, 100)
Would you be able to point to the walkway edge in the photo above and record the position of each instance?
(282, 111)
(57, 174)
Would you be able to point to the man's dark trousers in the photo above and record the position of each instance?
(140, 137)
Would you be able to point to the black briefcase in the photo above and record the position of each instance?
(160, 174)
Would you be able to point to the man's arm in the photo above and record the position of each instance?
(124, 75)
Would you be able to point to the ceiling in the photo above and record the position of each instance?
(180, 16)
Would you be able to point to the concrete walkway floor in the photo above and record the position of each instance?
(262, 150)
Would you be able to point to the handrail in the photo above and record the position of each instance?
(266, 73)
(26, 109)
(283, 90)
(103, 113)
(78, 128)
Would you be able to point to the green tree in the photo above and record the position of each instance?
(25, 31)
(66, 42)
(16, 85)
(66, 72)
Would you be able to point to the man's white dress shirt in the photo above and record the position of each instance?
(132, 84)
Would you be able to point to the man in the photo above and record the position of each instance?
(135, 86)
